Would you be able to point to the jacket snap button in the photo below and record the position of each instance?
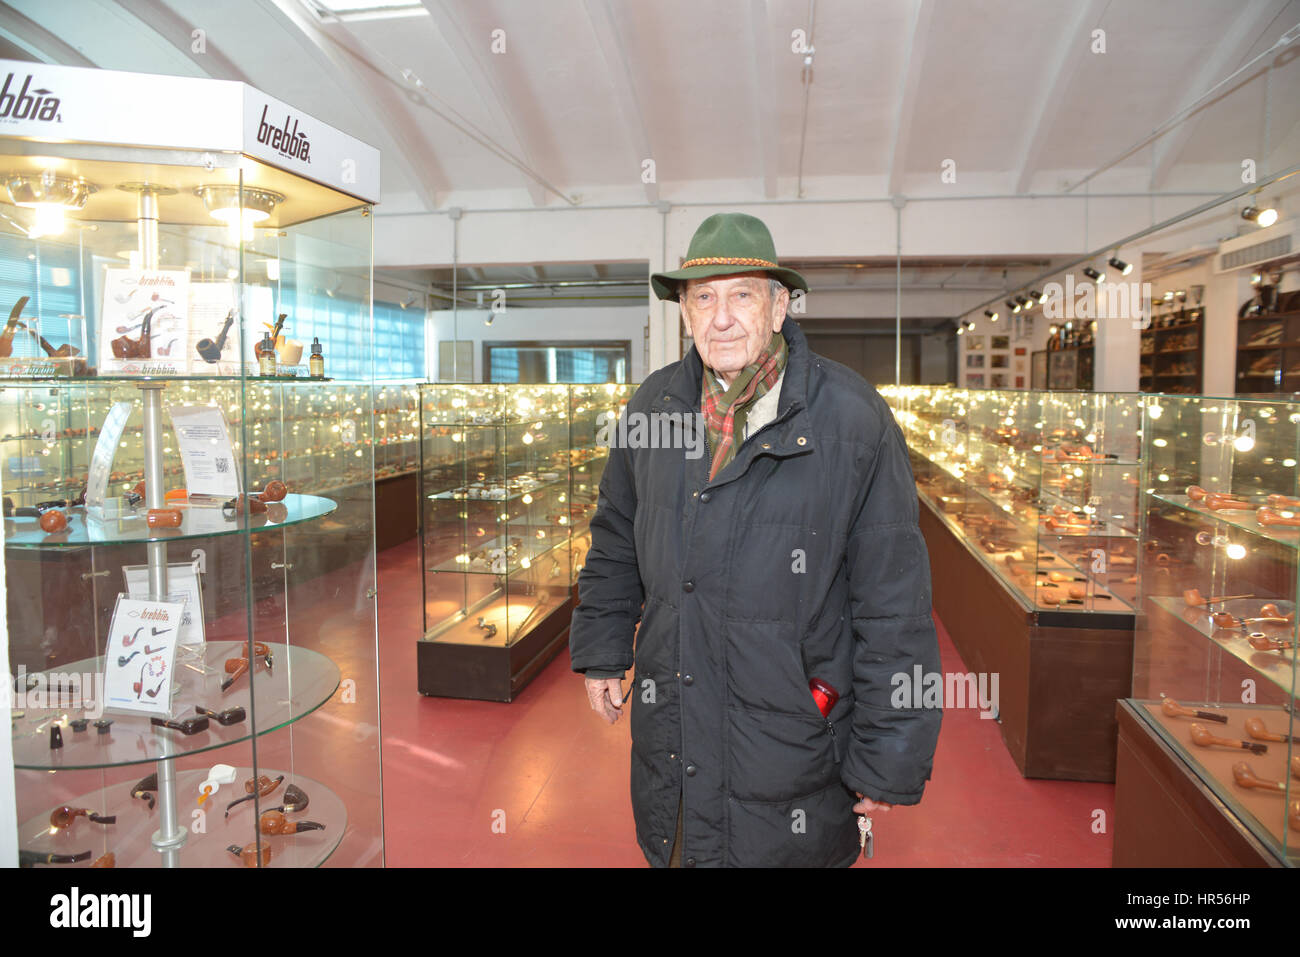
(690, 770)
(688, 587)
(767, 445)
(705, 496)
(688, 680)
(690, 862)
(801, 441)
(695, 494)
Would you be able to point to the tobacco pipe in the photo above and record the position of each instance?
(65, 351)
(62, 817)
(186, 726)
(1256, 728)
(123, 659)
(1270, 610)
(1202, 738)
(1223, 503)
(107, 860)
(1269, 517)
(52, 521)
(7, 336)
(295, 799)
(1282, 501)
(1198, 494)
(1222, 619)
(164, 518)
(273, 822)
(145, 788)
(1173, 709)
(1261, 642)
(274, 491)
(1192, 596)
(259, 788)
(249, 854)
(232, 715)
(126, 348)
(236, 668)
(209, 350)
(1245, 777)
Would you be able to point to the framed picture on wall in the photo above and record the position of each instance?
(974, 343)
(975, 380)
(998, 361)
(975, 361)
(1001, 342)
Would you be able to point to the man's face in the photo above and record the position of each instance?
(732, 319)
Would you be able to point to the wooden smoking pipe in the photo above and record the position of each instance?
(1173, 709)
(1193, 597)
(1270, 518)
(236, 668)
(1202, 738)
(1062, 577)
(1256, 729)
(273, 822)
(1198, 494)
(53, 520)
(1293, 815)
(7, 336)
(1270, 611)
(164, 518)
(1283, 501)
(1216, 503)
(248, 854)
(1245, 777)
(1076, 591)
(1264, 643)
(274, 491)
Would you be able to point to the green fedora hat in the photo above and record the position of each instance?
(727, 243)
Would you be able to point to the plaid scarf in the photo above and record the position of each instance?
(725, 412)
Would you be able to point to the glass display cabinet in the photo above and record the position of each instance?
(1213, 697)
(1041, 485)
(1030, 515)
(188, 499)
(509, 476)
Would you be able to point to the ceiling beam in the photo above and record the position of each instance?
(1071, 48)
(612, 51)
(764, 96)
(371, 91)
(913, 54)
(470, 55)
(173, 28)
(29, 33)
(1248, 22)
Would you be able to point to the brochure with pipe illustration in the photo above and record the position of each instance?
(144, 324)
(182, 581)
(141, 655)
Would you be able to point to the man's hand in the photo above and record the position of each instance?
(606, 697)
(868, 806)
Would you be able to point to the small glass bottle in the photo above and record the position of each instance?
(316, 362)
(266, 356)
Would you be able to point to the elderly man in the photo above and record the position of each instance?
(785, 558)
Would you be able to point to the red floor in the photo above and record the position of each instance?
(544, 782)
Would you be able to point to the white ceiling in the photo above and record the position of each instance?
(587, 90)
(710, 90)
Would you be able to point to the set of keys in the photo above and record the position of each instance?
(866, 840)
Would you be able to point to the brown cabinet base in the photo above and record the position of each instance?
(487, 673)
(1059, 673)
(1164, 815)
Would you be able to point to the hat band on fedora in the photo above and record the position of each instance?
(724, 261)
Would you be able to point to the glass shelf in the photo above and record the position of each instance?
(1244, 520)
(128, 838)
(300, 682)
(128, 527)
(1277, 666)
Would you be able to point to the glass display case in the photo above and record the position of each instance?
(1042, 486)
(397, 429)
(188, 498)
(1214, 663)
(509, 479)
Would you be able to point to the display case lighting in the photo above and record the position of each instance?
(50, 197)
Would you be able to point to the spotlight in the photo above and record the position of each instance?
(961, 330)
(1260, 217)
(1256, 278)
(1116, 263)
(1093, 274)
(993, 316)
(971, 324)
(1013, 306)
(1038, 297)
(1052, 330)
(1022, 302)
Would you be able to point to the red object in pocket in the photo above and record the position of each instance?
(824, 695)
